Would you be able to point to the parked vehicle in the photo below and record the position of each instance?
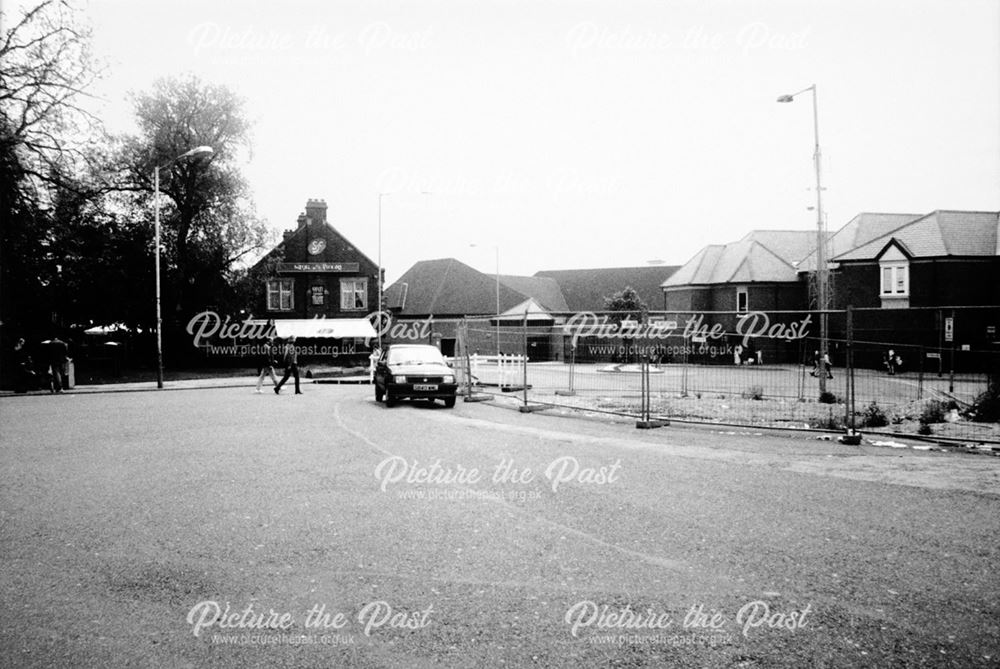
(413, 371)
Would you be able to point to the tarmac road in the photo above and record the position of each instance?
(476, 536)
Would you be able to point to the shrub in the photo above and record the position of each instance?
(831, 422)
(873, 416)
(986, 407)
(753, 393)
(924, 429)
(933, 412)
(826, 397)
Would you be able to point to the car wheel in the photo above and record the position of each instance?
(379, 393)
(449, 402)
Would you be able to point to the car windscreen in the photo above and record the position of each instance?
(415, 356)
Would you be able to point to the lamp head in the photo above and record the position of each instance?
(197, 151)
(786, 98)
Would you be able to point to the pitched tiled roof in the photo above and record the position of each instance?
(543, 290)
(938, 234)
(447, 287)
(761, 256)
(857, 232)
(585, 289)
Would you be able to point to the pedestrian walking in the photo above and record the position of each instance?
(816, 361)
(25, 375)
(267, 362)
(827, 366)
(890, 362)
(58, 357)
(291, 361)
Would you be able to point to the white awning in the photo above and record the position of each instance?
(336, 328)
(114, 328)
(529, 307)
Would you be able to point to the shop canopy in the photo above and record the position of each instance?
(333, 328)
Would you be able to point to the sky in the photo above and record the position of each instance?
(566, 135)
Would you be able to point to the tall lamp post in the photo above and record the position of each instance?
(821, 268)
(197, 151)
(380, 328)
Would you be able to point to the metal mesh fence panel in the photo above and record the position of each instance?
(756, 370)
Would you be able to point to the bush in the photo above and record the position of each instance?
(826, 397)
(832, 422)
(873, 416)
(753, 393)
(934, 412)
(986, 407)
(924, 429)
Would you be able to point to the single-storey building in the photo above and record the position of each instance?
(434, 296)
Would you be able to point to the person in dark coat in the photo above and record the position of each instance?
(291, 360)
(58, 357)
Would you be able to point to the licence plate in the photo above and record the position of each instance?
(424, 386)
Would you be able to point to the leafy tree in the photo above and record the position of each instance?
(209, 224)
(626, 304)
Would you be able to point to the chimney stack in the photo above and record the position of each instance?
(302, 220)
(316, 210)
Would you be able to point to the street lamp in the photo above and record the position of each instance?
(197, 151)
(821, 268)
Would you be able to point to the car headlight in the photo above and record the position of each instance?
(398, 379)
(448, 379)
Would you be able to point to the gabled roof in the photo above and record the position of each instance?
(447, 287)
(530, 308)
(543, 290)
(860, 230)
(761, 256)
(940, 233)
(312, 229)
(585, 289)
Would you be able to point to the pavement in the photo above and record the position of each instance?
(190, 384)
(222, 528)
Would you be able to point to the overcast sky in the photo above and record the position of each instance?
(583, 134)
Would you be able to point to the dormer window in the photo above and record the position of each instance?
(894, 277)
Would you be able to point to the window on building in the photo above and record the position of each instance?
(895, 280)
(318, 294)
(742, 300)
(353, 294)
(280, 295)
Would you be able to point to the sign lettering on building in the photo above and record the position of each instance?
(317, 267)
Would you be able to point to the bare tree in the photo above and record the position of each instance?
(46, 67)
